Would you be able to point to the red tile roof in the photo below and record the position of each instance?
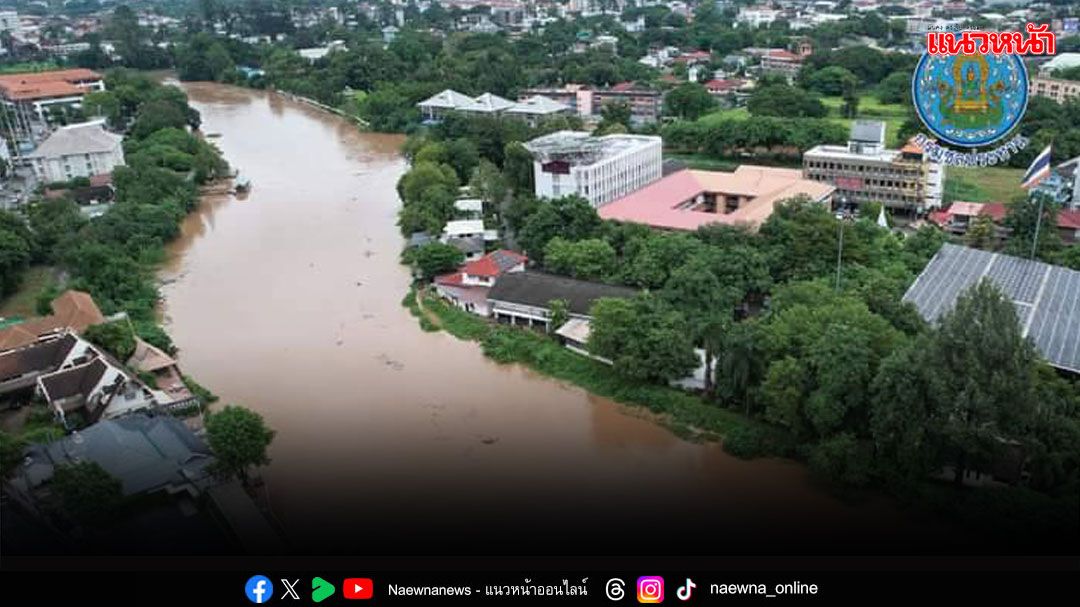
(46, 85)
(494, 263)
(1069, 219)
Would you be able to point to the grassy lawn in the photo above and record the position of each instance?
(702, 162)
(737, 113)
(685, 414)
(23, 303)
(870, 108)
(982, 184)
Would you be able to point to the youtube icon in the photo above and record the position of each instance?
(357, 588)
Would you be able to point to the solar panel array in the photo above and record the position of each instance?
(1046, 297)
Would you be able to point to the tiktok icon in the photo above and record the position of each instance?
(685, 590)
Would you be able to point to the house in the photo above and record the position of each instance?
(92, 390)
(524, 298)
(904, 180)
(468, 287)
(147, 454)
(169, 389)
(688, 199)
(469, 208)
(537, 107)
(1063, 184)
(21, 367)
(77, 150)
(30, 95)
(959, 216)
(1045, 296)
(599, 169)
(73, 310)
(463, 228)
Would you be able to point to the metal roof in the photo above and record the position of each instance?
(1046, 297)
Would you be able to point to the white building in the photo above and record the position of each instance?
(9, 22)
(77, 150)
(756, 16)
(599, 169)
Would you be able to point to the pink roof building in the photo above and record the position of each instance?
(689, 199)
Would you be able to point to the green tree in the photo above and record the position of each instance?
(785, 101)
(589, 259)
(436, 258)
(832, 81)
(895, 88)
(689, 101)
(560, 313)
(644, 338)
(239, 438)
(86, 492)
(1021, 218)
(571, 217)
(980, 234)
(116, 338)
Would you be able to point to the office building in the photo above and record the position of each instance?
(599, 169)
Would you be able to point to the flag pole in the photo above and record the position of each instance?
(1038, 222)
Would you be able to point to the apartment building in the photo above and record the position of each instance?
(1054, 88)
(864, 171)
(646, 104)
(599, 169)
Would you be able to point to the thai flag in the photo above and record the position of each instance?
(1039, 169)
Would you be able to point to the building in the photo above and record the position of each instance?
(688, 199)
(77, 150)
(168, 388)
(961, 215)
(524, 298)
(1061, 61)
(93, 387)
(1054, 88)
(864, 170)
(436, 107)
(1045, 296)
(146, 454)
(757, 16)
(782, 62)
(1063, 184)
(646, 104)
(599, 169)
(468, 287)
(73, 310)
(30, 95)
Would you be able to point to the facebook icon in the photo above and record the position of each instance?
(259, 589)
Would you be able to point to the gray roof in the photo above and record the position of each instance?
(144, 453)
(537, 289)
(1046, 297)
(471, 244)
(84, 138)
(872, 131)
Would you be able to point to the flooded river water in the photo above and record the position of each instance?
(390, 439)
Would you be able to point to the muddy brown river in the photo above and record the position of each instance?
(390, 439)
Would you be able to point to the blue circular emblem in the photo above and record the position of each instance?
(970, 100)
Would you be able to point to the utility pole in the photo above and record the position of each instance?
(839, 248)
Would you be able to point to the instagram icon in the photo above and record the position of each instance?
(650, 589)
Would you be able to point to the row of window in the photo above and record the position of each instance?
(860, 168)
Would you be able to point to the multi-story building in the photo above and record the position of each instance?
(865, 171)
(1054, 88)
(599, 169)
(77, 150)
(29, 96)
(784, 62)
(646, 104)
